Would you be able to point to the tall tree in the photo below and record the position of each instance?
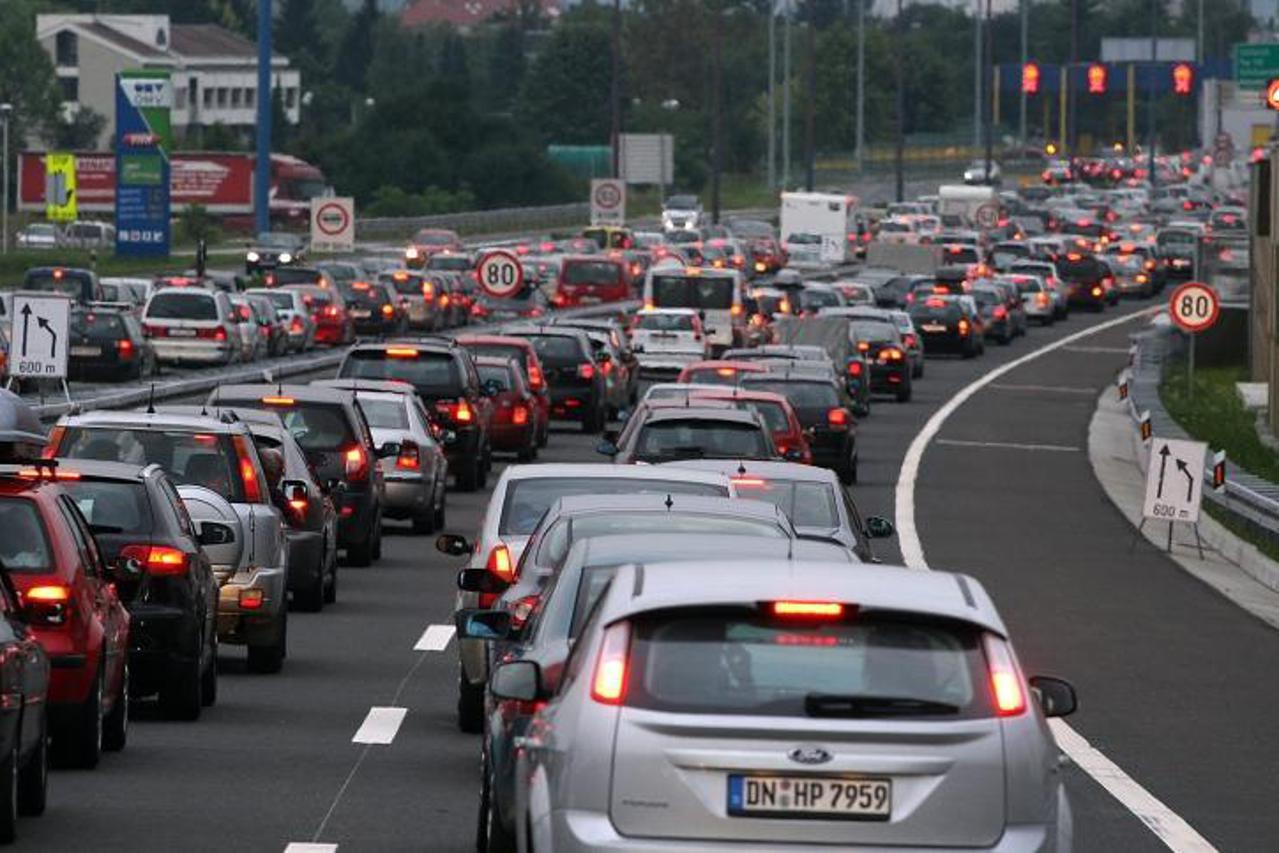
(507, 65)
(27, 80)
(357, 47)
(566, 93)
(297, 36)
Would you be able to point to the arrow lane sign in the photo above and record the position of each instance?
(26, 323)
(1190, 479)
(1163, 465)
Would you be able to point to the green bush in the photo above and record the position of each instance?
(196, 223)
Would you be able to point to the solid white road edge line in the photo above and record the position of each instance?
(1166, 824)
(380, 726)
(435, 638)
(1007, 445)
(309, 847)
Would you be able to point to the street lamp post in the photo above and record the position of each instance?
(899, 148)
(772, 96)
(1153, 73)
(861, 84)
(5, 111)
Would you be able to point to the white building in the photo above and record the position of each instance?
(215, 76)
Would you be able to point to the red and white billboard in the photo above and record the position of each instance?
(222, 183)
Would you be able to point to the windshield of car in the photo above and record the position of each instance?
(700, 439)
(499, 374)
(383, 414)
(561, 536)
(24, 547)
(665, 322)
(746, 663)
(190, 457)
(66, 282)
(558, 350)
(318, 426)
(94, 324)
(681, 202)
(713, 293)
(276, 240)
(120, 505)
(182, 305)
(802, 395)
(281, 299)
(295, 275)
(873, 330)
(430, 373)
(527, 500)
(405, 285)
(807, 504)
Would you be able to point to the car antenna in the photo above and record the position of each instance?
(741, 468)
(669, 503)
(151, 401)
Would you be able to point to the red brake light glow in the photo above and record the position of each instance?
(278, 401)
(608, 684)
(254, 490)
(157, 559)
(1005, 682)
(837, 418)
(808, 609)
(500, 562)
(357, 463)
(401, 352)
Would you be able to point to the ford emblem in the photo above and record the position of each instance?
(809, 755)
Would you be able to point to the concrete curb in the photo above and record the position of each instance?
(1235, 568)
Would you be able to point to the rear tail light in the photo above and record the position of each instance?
(1000, 312)
(1005, 680)
(609, 681)
(837, 418)
(124, 348)
(357, 463)
(159, 560)
(1097, 291)
(891, 354)
(854, 368)
(296, 325)
(736, 310)
(388, 309)
(522, 609)
(964, 327)
(500, 562)
(519, 415)
(910, 340)
(331, 311)
(536, 380)
(254, 488)
(155, 331)
(409, 458)
(47, 604)
(462, 412)
(863, 346)
(1042, 299)
(428, 290)
(252, 599)
(807, 609)
(586, 371)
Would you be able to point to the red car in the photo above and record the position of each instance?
(718, 372)
(514, 425)
(590, 280)
(778, 414)
(427, 242)
(523, 351)
(333, 323)
(72, 608)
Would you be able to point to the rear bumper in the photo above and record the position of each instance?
(889, 380)
(355, 517)
(406, 496)
(306, 558)
(573, 831)
(160, 638)
(257, 626)
(512, 438)
(654, 362)
(935, 343)
(200, 351)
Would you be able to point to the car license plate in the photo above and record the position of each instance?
(182, 333)
(933, 327)
(589, 300)
(810, 797)
(360, 313)
(86, 352)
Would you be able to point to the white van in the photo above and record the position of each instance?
(717, 295)
(831, 216)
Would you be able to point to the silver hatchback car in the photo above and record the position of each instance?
(773, 704)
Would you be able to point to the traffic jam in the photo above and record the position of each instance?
(677, 636)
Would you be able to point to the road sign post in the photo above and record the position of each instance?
(1194, 307)
(41, 326)
(608, 202)
(501, 274)
(333, 224)
(1174, 484)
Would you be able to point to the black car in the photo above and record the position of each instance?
(24, 676)
(280, 276)
(993, 306)
(374, 308)
(529, 304)
(1179, 251)
(80, 284)
(576, 381)
(824, 410)
(1084, 277)
(946, 325)
(108, 343)
(881, 343)
(338, 444)
(273, 249)
(162, 575)
(444, 376)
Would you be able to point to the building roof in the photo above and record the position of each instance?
(203, 40)
(120, 40)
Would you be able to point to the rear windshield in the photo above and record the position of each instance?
(773, 414)
(528, 500)
(802, 395)
(121, 505)
(500, 375)
(313, 296)
(743, 663)
(871, 330)
(812, 300)
(560, 538)
(384, 414)
(24, 546)
(296, 275)
(404, 285)
(714, 293)
(191, 458)
(182, 305)
(96, 325)
(665, 322)
(430, 373)
(68, 282)
(946, 313)
(557, 350)
(448, 262)
(1086, 268)
(281, 299)
(961, 255)
(697, 439)
(317, 426)
(500, 351)
(591, 272)
(367, 295)
(807, 504)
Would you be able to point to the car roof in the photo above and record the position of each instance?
(159, 419)
(824, 375)
(507, 340)
(363, 386)
(663, 585)
(644, 547)
(603, 470)
(302, 393)
(99, 470)
(752, 468)
(700, 413)
(675, 503)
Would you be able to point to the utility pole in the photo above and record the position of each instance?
(262, 165)
(988, 105)
(717, 111)
(1072, 102)
(810, 110)
(1025, 57)
(615, 90)
(1150, 101)
(861, 85)
(977, 76)
(899, 151)
(5, 111)
(786, 95)
(772, 95)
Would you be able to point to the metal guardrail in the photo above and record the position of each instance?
(475, 222)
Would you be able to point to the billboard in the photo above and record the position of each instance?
(223, 183)
(143, 140)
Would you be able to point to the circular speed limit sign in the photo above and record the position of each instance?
(987, 215)
(500, 274)
(1194, 306)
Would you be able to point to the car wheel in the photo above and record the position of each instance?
(903, 393)
(209, 677)
(182, 695)
(85, 742)
(468, 480)
(33, 777)
(377, 539)
(269, 659)
(470, 705)
(311, 599)
(9, 795)
(440, 511)
(331, 591)
(115, 726)
(497, 838)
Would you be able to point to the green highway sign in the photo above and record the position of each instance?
(1256, 64)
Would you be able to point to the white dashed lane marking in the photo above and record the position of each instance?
(1007, 445)
(435, 638)
(380, 726)
(308, 847)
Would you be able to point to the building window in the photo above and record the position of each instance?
(67, 48)
(208, 98)
(180, 99)
(70, 87)
(235, 97)
(222, 96)
(249, 97)
(291, 98)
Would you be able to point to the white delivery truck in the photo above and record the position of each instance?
(830, 216)
(961, 200)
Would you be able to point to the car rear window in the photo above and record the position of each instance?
(500, 375)
(366, 295)
(665, 322)
(557, 350)
(500, 351)
(281, 299)
(560, 538)
(1084, 268)
(528, 500)
(873, 330)
(404, 285)
(712, 293)
(24, 546)
(807, 504)
(317, 426)
(591, 272)
(66, 282)
(802, 395)
(449, 262)
(930, 313)
(182, 305)
(95, 325)
(383, 414)
(112, 504)
(773, 414)
(700, 438)
(431, 373)
(191, 458)
(296, 275)
(746, 663)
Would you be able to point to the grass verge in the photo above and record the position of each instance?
(1217, 416)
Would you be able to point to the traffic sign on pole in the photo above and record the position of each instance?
(987, 215)
(40, 327)
(1174, 480)
(608, 202)
(1194, 307)
(501, 275)
(333, 224)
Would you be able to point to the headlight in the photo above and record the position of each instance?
(410, 253)
(252, 257)
(285, 258)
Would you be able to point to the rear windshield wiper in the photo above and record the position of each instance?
(847, 705)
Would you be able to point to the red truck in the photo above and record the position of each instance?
(221, 182)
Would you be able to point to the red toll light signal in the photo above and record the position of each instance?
(1183, 79)
(1030, 78)
(1098, 76)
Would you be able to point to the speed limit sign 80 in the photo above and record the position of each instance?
(500, 274)
(1194, 306)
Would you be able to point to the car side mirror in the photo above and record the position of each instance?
(606, 448)
(793, 454)
(483, 624)
(482, 581)
(294, 490)
(215, 533)
(879, 528)
(391, 448)
(448, 437)
(126, 569)
(518, 679)
(1056, 696)
(452, 545)
(491, 388)
(603, 357)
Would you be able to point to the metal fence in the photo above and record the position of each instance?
(475, 222)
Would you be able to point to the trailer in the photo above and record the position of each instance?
(831, 216)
